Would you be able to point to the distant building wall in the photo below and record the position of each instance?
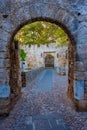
(36, 55)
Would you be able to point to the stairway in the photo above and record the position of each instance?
(46, 122)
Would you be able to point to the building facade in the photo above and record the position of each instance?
(45, 56)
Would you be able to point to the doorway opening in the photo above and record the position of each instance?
(49, 61)
(50, 57)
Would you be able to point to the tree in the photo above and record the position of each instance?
(41, 33)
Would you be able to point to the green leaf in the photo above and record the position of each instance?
(41, 33)
(22, 55)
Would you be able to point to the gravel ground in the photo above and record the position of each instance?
(35, 102)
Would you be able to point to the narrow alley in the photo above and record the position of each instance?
(45, 99)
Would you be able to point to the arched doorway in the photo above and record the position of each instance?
(71, 51)
(71, 57)
(49, 61)
(23, 12)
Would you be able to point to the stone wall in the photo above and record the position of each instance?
(5, 100)
(15, 81)
(71, 15)
(30, 75)
(15, 74)
(36, 55)
(71, 58)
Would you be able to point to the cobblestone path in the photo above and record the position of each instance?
(46, 81)
(46, 95)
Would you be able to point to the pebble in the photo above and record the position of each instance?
(54, 101)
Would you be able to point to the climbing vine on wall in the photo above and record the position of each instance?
(22, 55)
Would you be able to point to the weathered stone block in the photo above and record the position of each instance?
(82, 48)
(4, 75)
(79, 75)
(4, 101)
(4, 35)
(80, 40)
(86, 84)
(5, 55)
(35, 10)
(79, 66)
(4, 111)
(47, 1)
(4, 81)
(14, 21)
(83, 29)
(79, 89)
(85, 75)
(4, 91)
(61, 15)
(85, 64)
(27, 13)
(7, 25)
(73, 25)
(3, 46)
(20, 14)
(4, 63)
(82, 105)
(81, 56)
(65, 17)
(48, 10)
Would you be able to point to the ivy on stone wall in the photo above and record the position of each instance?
(22, 55)
(39, 33)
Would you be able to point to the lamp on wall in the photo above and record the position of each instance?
(66, 54)
(41, 54)
(57, 55)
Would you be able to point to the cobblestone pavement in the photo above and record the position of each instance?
(46, 122)
(48, 100)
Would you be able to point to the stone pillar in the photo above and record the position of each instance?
(15, 74)
(71, 62)
(4, 77)
(80, 69)
(9, 74)
(10, 77)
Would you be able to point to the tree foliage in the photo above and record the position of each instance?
(41, 33)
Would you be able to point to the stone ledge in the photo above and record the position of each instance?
(4, 99)
(5, 107)
(29, 76)
(4, 91)
(81, 105)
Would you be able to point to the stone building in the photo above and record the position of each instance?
(70, 15)
(45, 56)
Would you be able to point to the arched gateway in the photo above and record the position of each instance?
(66, 14)
(49, 61)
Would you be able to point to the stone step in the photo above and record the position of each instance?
(46, 122)
(29, 127)
(29, 123)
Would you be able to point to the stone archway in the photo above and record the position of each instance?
(16, 14)
(49, 61)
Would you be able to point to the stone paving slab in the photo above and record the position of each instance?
(29, 127)
(46, 83)
(48, 122)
